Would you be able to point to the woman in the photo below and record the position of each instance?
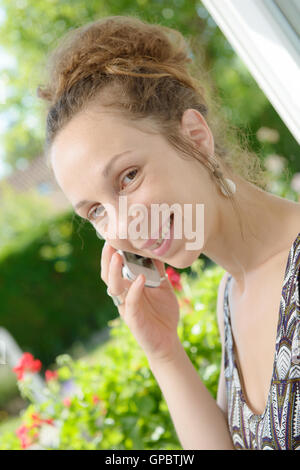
(122, 86)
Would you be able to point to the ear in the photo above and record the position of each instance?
(195, 127)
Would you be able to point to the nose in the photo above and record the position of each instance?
(119, 228)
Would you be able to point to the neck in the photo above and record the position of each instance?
(270, 225)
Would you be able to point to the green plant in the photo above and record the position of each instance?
(117, 404)
(54, 267)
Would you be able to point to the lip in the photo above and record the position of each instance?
(152, 241)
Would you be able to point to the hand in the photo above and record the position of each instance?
(152, 314)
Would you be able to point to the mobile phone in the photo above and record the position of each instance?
(133, 265)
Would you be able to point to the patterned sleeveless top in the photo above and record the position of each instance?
(278, 427)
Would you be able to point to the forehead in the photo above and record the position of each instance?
(89, 139)
(85, 136)
(99, 133)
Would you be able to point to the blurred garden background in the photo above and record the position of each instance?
(52, 299)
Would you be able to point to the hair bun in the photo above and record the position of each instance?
(115, 45)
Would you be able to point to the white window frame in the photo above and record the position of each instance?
(268, 44)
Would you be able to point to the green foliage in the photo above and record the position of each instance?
(8, 386)
(199, 328)
(50, 286)
(21, 215)
(33, 28)
(116, 402)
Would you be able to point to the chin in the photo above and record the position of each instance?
(184, 259)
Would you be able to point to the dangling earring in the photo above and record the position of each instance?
(230, 186)
(226, 184)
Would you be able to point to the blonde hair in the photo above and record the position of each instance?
(146, 72)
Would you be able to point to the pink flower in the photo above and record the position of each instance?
(51, 375)
(26, 437)
(67, 401)
(22, 433)
(28, 434)
(27, 363)
(174, 278)
(295, 183)
(186, 304)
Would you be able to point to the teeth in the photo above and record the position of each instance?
(165, 231)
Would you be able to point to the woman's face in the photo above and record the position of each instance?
(148, 171)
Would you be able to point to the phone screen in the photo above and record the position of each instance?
(139, 260)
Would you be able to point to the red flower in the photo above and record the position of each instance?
(51, 375)
(38, 421)
(35, 418)
(27, 363)
(49, 421)
(174, 278)
(95, 399)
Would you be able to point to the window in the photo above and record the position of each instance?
(265, 34)
(288, 15)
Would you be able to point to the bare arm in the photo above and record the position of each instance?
(199, 420)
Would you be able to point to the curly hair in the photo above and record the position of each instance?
(144, 72)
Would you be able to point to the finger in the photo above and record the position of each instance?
(106, 255)
(116, 283)
(160, 267)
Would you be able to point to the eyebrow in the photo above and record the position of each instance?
(105, 173)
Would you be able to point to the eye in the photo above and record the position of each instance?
(131, 175)
(96, 211)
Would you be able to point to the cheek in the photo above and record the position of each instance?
(147, 193)
(154, 189)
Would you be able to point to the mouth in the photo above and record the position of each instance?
(160, 246)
